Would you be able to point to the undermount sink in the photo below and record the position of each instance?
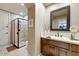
(60, 38)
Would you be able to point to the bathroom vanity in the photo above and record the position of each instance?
(59, 46)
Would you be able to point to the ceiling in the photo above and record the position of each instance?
(16, 8)
(48, 4)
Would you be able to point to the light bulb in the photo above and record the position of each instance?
(22, 4)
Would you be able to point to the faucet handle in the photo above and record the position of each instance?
(60, 35)
(55, 34)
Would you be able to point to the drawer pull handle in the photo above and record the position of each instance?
(51, 46)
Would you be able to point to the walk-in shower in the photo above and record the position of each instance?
(19, 32)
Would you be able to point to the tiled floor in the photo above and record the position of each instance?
(18, 52)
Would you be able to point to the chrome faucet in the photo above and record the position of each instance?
(58, 35)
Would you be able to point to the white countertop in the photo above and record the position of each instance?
(62, 39)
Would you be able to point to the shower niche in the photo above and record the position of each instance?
(19, 32)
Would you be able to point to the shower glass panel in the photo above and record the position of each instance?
(23, 28)
(19, 32)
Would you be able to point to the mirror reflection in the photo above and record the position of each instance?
(60, 19)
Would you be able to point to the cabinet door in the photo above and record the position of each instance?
(53, 51)
(75, 48)
(75, 54)
(43, 43)
(44, 50)
(63, 52)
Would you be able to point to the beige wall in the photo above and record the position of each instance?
(39, 21)
(31, 30)
(75, 14)
(37, 14)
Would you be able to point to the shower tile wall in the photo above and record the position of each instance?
(23, 28)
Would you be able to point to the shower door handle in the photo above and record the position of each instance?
(17, 33)
(18, 29)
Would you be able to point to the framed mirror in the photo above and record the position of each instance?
(60, 19)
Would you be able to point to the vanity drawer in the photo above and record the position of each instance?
(75, 47)
(58, 44)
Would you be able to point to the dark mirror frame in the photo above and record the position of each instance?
(68, 19)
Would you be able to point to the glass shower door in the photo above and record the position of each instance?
(23, 27)
(19, 32)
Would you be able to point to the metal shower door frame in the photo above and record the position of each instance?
(18, 29)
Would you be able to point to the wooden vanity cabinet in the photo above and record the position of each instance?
(63, 52)
(53, 51)
(44, 48)
(74, 50)
(54, 48)
(58, 43)
(74, 54)
(59, 48)
(51, 47)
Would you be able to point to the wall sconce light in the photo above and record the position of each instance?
(22, 4)
(74, 29)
